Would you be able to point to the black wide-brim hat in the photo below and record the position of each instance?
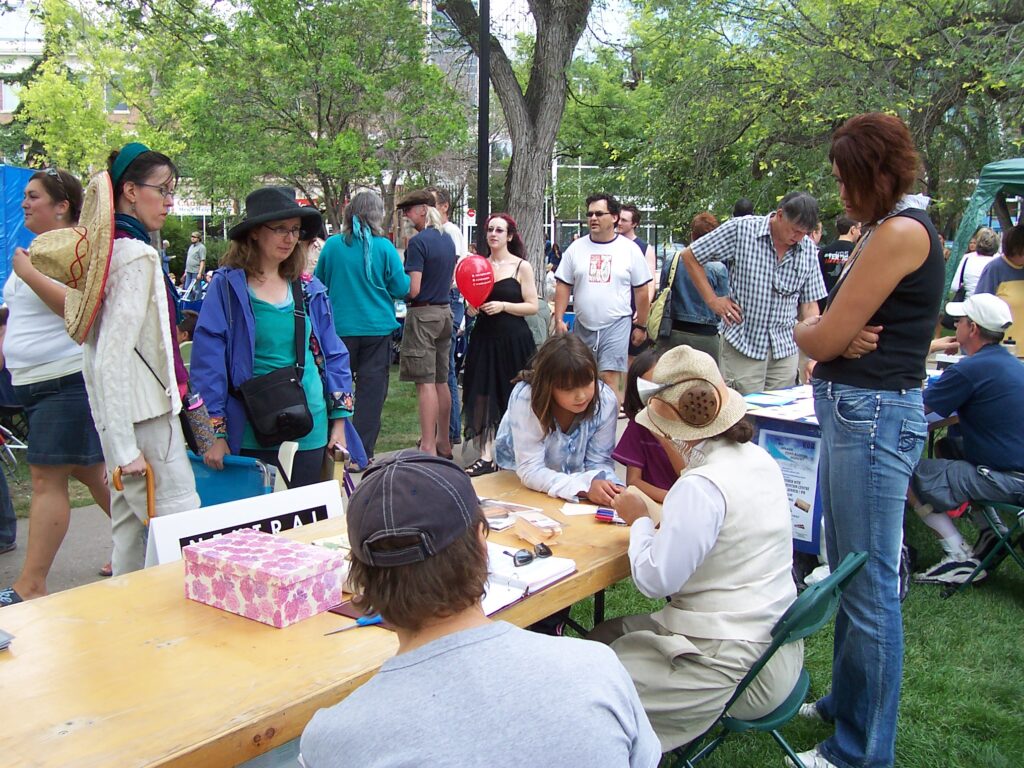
(269, 204)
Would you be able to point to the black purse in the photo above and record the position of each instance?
(275, 403)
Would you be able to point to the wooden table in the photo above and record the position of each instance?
(128, 672)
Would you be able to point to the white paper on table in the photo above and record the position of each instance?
(574, 508)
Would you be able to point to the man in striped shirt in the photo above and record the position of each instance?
(776, 282)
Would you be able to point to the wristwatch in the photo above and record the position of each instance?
(639, 327)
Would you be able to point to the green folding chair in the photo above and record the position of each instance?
(812, 609)
(1004, 544)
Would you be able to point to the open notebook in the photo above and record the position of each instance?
(508, 583)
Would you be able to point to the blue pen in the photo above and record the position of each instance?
(362, 621)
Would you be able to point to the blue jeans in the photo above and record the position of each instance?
(8, 520)
(870, 442)
(458, 313)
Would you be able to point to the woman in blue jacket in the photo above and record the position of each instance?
(247, 328)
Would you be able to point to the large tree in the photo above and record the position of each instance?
(533, 112)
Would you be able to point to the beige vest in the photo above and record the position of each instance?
(744, 584)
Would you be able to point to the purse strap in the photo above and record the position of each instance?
(299, 313)
(672, 271)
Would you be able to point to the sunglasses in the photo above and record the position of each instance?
(523, 557)
(54, 174)
(597, 214)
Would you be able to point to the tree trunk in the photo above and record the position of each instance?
(533, 116)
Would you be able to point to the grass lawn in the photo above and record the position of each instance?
(963, 681)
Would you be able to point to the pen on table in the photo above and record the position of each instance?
(362, 621)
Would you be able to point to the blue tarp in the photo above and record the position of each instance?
(12, 221)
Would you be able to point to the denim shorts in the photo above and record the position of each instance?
(60, 426)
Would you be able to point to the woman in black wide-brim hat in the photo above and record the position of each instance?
(246, 329)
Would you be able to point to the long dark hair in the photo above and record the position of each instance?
(562, 362)
(642, 363)
(515, 246)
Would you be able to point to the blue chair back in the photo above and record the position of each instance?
(241, 478)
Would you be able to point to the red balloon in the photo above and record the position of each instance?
(475, 278)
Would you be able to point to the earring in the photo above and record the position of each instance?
(133, 207)
(60, 216)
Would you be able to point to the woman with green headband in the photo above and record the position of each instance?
(133, 369)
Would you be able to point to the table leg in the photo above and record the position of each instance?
(598, 607)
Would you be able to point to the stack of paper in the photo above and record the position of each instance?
(507, 583)
(5, 640)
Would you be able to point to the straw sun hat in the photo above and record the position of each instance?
(79, 256)
(689, 382)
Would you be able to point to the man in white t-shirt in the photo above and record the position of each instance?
(602, 272)
(444, 204)
(463, 689)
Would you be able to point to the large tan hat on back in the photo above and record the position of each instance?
(79, 256)
(689, 382)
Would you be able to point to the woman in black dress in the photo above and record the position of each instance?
(501, 344)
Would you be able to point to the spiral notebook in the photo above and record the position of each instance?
(508, 583)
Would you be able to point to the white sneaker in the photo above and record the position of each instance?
(952, 569)
(811, 759)
(809, 711)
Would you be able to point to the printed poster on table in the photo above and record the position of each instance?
(797, 457)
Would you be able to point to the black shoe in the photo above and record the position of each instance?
(480, 467)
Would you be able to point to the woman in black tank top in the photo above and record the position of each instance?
(870, 344)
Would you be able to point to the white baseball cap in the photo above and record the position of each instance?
(990, 312)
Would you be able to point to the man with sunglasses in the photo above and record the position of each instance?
(603, 272)
(982, 458)
(776, 282)
(463, 687)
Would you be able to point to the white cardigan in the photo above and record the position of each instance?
(133, 320)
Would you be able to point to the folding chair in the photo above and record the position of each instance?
(812, 609)
(241, 478)
(1005, 541)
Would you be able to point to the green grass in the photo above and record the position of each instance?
(963, 684)
(400, 422)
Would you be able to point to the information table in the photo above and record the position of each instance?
(128, 672)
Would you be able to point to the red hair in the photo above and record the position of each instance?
(877, 162)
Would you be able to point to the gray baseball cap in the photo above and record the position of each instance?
(421, 502)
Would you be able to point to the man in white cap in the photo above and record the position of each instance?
(982, 459)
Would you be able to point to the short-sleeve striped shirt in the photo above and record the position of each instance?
(767, 290)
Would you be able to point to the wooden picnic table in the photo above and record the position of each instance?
(128, 672)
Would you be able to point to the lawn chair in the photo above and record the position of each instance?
(812, 609)
(241, 478)
(1004, 544)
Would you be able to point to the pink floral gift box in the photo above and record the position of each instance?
(268, 578)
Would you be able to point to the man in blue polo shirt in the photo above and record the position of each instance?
(426, 339)
(984, 458)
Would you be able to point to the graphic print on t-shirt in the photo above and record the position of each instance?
(600, 268)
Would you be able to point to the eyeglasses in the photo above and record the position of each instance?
(597, 214)
(523, 557)
(284, 232)
(162, 189)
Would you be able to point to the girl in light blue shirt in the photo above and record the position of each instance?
(559, 430)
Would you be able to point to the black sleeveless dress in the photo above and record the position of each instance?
(499, 348)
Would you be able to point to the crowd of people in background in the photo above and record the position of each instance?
(292, 342)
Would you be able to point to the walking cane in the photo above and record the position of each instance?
(150, 490)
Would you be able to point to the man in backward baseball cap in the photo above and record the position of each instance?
(419, 558)
(984, 459)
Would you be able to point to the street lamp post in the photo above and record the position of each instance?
(483, 145)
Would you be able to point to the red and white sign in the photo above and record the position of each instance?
(471, 216)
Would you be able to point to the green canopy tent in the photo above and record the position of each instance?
(1006, 176)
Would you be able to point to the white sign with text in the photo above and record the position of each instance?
(272, 513)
